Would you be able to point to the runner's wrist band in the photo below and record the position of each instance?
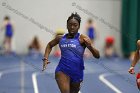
(44, 59)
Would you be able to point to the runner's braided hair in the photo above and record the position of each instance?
(75, 16)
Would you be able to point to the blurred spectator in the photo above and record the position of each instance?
(109, 49)
(8, 26)
(35, 47)
(91, 32)
(57, 52)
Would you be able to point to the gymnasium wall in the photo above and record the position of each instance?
(43, 17)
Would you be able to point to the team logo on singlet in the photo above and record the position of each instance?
(68, 45)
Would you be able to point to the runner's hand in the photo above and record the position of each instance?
(131, 70)
(45, 63)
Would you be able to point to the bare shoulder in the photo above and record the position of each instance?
(138, 42)
(82, 36)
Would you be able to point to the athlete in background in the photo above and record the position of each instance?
(9, 31)
(134, 62)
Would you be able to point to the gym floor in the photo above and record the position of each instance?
(22, 74)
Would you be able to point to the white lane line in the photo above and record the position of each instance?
(35, 85)
(102, 78)
(22, 77)
(1, 74)
(8, 71)
(14, 70)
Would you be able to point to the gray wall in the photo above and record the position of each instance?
(39, 17)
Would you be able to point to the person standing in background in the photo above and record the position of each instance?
(35, 47)
(9, 31)
(90, 31)
(109, 48)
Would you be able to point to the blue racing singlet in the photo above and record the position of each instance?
(91, 33)
(9, 30)
(71, 61)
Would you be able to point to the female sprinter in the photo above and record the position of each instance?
(69, 72)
